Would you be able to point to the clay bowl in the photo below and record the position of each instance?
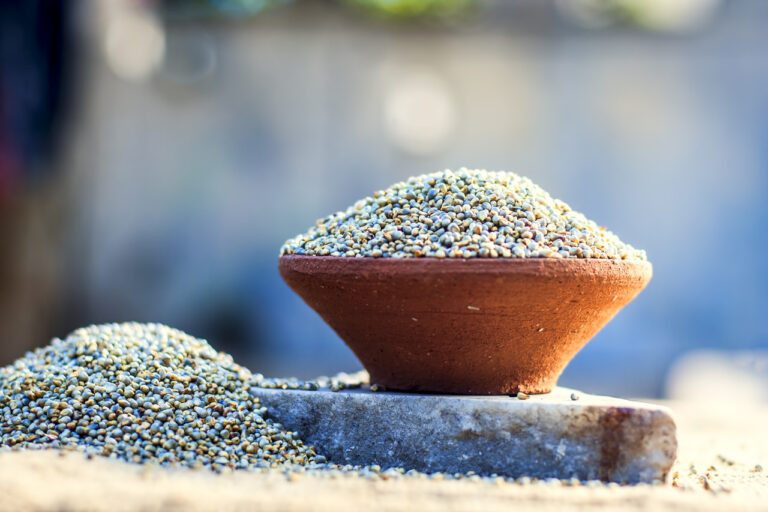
(477, 326)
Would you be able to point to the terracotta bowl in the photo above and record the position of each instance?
(477, 326)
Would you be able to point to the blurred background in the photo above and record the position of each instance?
(154, 155)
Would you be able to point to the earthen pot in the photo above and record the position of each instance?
(477, 326)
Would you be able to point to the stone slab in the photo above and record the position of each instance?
(545, 436)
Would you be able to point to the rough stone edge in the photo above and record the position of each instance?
(655, 440)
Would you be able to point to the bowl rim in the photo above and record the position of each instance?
(347, 264)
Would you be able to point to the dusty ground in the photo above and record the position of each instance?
(722, 443)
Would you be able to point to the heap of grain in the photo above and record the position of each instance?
(464, 214)
(142, 393)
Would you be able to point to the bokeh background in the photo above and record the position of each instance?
(155, 155)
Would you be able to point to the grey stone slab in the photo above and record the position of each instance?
(546, 436)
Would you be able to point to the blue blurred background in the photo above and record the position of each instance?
(155, 155)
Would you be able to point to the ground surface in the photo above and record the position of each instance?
(722, 443)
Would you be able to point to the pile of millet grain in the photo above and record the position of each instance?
(463, 214)
(142, 393)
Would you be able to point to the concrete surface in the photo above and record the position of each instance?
(544, 436)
